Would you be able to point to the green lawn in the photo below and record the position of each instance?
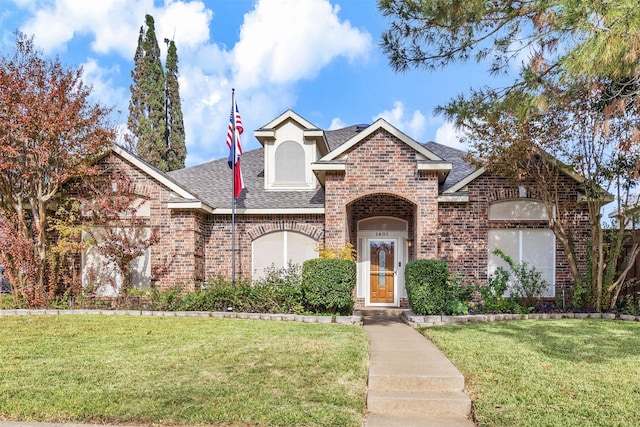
(548, 373)
(195, 371)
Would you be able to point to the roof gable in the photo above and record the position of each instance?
(374, 127)
(289, 115)
(182, 196)
(426, 160)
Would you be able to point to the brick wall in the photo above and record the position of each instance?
(217, 238)
(464, 227)
(178, 258)
(381, 178)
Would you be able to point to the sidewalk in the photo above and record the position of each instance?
(411, 383)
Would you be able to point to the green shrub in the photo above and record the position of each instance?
(431, 290)
(459, 296)
(328, 284)
(527, 285)
(278, 292)
(493, 293)
(165, 300)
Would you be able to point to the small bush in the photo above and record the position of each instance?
(278, 292)
(493, 293)
(167, 300)
(431, 290)
(328, 284)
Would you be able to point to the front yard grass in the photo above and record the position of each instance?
(548, 373)
(189, 371)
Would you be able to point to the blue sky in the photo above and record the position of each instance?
(320, 58)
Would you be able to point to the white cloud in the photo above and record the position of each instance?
(280, 43)
(56, 24)
(283, 41)
(105, 91)
(413, 124)
(447, 134)
(337, 123)
(189, 22)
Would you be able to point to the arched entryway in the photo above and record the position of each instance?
(381, 228)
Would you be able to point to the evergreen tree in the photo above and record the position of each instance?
(147, 110)
(176, 148)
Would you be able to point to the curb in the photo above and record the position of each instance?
(354, 319)
(419, 321)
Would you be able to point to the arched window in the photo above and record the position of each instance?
(518, 209)
(279, 249)
(290, 163)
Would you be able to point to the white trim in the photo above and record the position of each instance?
(196, 204)
(446, 198)
(380, 124)
(434, 165)
(464, 181)
(152, 172)
(289, 114)
(278, 211)
(340, 165)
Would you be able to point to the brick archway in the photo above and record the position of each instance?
(381, 204)
(306, 229)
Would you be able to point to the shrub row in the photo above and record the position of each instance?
(320, 286)
(431, 290)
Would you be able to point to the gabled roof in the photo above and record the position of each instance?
(335, 160)
(180, 194)
(310, 131)
(374, 127)
(212, 182)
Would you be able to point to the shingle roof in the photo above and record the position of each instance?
(211, 181)
(459, 168)
(337, 137)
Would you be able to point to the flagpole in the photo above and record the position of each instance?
(233, 186)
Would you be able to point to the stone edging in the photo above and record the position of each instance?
(416, 321)
(355, 319)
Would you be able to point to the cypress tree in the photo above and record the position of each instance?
(147, 110)
(176, 148)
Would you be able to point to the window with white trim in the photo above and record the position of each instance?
(535, 246)
(290, 164)
(279, 249)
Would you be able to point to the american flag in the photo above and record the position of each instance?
(237, 176)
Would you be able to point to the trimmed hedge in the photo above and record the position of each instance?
(328, 284)
(431, 291)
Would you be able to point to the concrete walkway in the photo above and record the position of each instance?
(411, 383)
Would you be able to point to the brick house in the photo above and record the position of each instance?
(393, 198)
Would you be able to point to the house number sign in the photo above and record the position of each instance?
(382, 233)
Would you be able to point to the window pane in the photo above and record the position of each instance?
(538, 249)
(268, 252)
(300, 247)
(102, 277)
(518, 210)
(508, 241)
(290, 163)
